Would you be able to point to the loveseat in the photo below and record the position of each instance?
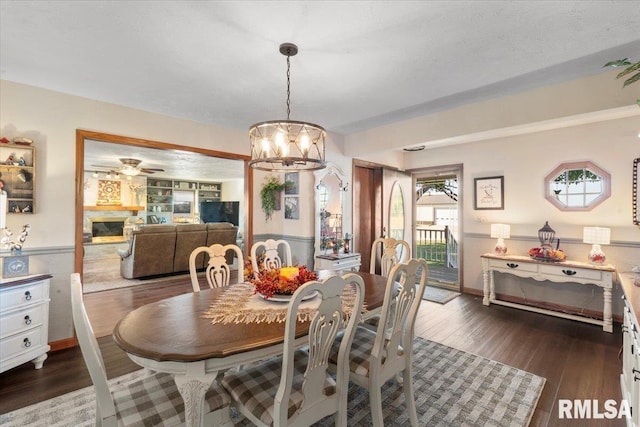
(164, 249)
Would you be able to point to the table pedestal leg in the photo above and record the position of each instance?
(193, 386)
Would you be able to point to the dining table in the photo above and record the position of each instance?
(178, 336)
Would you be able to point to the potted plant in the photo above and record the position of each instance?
(271, 189)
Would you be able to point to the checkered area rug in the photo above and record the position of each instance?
(452, 388)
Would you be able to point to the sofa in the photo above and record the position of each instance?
(165, 249)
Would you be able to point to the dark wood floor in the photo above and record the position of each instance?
(579, 360)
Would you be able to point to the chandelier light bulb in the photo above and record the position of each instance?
(305, 143)
(265, 148)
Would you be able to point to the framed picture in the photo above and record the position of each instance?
(152, 219)
(636, 193)
(291, 210)
(489, 193)
(291, 177)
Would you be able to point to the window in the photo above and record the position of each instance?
(577, 186)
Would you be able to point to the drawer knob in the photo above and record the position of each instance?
(27, 296)
(27, 320)
(569, 272)
(512, 265)
(26, 342)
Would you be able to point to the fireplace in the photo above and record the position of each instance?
(107, 228)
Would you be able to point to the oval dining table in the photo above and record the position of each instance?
(174, 336)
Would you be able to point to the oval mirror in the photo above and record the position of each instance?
(577, 186)
(396, 212)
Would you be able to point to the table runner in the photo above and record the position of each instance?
(241, 304)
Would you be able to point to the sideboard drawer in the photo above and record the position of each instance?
(16, 344)
(24, 320)
(21, 295)
(512, 265)
(570, 272)
(21, 320)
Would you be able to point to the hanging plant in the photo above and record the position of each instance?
(272, 188)
(631, 72)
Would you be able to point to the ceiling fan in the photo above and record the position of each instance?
(130, 167)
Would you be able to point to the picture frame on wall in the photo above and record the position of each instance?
(489, 193)
(293, 179)
(291, 210)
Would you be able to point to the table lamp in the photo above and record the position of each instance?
(500, 231)
(596, 236)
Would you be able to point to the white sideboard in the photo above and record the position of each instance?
(24, 320)
(560, 272)
(630, 376)
(350, 261)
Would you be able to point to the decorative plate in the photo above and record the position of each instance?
(287, 298)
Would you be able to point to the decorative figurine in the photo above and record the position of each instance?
(7, 243)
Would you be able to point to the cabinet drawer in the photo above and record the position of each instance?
(512, 265)
(21, 320)
(571, 272)
(20, 295)
(22, 342)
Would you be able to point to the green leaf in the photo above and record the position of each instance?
(633, 79)
(618, 63)
(628, 70)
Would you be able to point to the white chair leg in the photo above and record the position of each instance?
(375, 399)
(409, 398)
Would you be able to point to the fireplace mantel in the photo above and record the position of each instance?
(133, 209)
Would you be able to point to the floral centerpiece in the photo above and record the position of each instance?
(278, 281)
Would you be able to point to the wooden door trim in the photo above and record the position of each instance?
(83, 135)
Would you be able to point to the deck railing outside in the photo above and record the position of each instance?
(437, 246)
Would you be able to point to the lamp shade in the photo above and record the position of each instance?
(596, 235)
(500, 231)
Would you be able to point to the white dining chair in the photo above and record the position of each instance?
(217, 272)
(379, 355)
(272, 258)
(297, 389)
(389, 256)
(145, 401)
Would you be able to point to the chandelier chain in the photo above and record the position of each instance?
(288, 86)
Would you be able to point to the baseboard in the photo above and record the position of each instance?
(544, 304)
(62, 344)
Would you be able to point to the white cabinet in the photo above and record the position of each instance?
(350, 262)
(630, 376)
(24, 320)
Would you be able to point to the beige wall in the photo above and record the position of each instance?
(51, 119)
(531, 137)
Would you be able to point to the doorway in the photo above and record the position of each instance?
(121, 146)
(437, 233)
(367, 208)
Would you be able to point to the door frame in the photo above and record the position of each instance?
(458, 169)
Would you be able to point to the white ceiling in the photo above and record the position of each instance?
(176, 164)
(361, 63)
